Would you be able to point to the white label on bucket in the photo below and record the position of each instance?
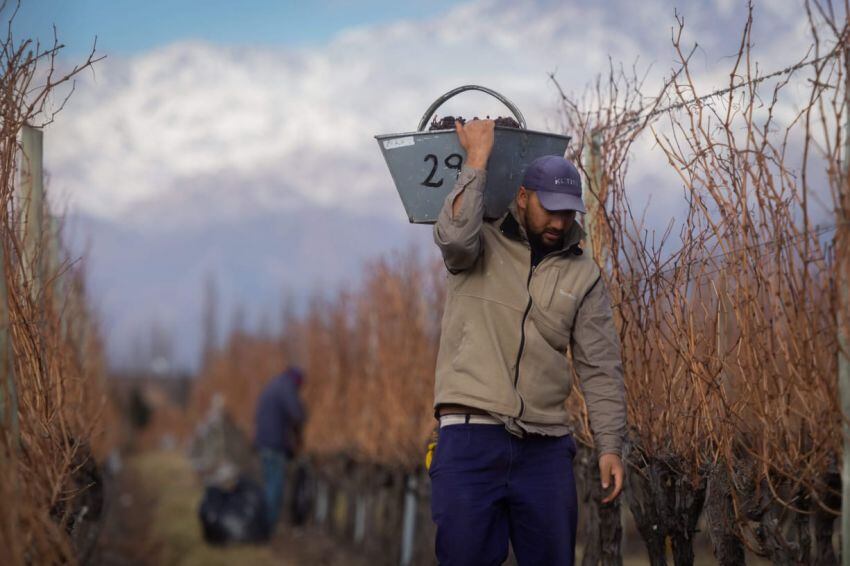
(399, 142)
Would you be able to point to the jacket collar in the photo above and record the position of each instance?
(511, 227)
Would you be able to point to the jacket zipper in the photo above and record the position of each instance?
(522, 336)
(531, 268)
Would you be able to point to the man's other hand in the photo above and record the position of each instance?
(476, 137)
(610, 466)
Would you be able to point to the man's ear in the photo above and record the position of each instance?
(522, 197)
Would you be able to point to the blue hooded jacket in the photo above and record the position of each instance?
(280, 413)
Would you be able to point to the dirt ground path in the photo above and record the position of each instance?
(151, 518)
(312, 547)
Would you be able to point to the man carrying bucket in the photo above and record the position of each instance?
(520, 294)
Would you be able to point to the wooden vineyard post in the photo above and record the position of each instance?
(591, 197)
(603, 530)
(32, 187)
(408, 529)
(7, 368)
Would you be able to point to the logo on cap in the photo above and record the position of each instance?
(565, 181)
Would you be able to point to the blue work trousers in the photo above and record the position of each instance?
(489, 486)
(274, 473)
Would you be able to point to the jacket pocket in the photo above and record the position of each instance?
(562, 308)
(556, 298)
(549, 285)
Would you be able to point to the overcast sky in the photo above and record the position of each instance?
(126, 27)
(198, 90)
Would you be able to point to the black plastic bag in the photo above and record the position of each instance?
(302, 495)
(234, 515)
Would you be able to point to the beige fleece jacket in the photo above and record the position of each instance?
(507, 328)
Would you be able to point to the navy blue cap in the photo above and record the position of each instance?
(556, 181)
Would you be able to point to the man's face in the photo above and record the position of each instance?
(545, 229)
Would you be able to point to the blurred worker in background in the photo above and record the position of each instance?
(220, 452)
(279, 422)
(520, 295)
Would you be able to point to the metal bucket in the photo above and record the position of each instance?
(424, 165)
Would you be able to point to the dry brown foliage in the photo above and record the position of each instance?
(52, 395)
(369, 359)
(238, 372)
(729, 330)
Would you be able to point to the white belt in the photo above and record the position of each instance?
(447, 420)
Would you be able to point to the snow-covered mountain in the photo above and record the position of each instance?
(259, 166)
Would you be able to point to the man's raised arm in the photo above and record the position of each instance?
(457, 231)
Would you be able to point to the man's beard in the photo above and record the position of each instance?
(536, 239)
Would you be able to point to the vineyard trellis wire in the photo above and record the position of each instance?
(643, 120)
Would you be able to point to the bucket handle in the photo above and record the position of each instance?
(439, 102)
